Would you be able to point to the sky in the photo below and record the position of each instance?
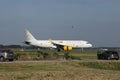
(96, 21)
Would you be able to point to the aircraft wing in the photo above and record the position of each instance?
(62, 46)
(59, 46)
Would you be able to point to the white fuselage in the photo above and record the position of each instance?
(73, 43)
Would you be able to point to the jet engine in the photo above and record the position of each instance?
(67, 48)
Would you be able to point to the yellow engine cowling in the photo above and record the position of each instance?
(67, 48)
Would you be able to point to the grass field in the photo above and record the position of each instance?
(60, 71)
(35, 54)
(77, 53)
(57, 70)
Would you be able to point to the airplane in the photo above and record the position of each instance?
(66, 45)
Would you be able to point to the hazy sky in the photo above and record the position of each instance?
(96, 21)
